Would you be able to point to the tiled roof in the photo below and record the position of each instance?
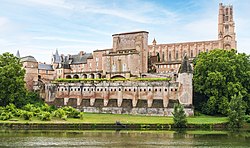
(45, 66)
(28, 59)
(80, 59)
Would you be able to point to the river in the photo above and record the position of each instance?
(57, 138)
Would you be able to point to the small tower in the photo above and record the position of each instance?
(185, 76)
(18, 54)
(226, 26)
(154, 42)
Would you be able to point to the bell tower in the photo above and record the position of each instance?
(226, 27)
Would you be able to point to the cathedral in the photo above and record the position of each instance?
(130, 57)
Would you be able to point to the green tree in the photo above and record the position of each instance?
(12, 85)
(180, 120)
(219, 75)
(236, 113)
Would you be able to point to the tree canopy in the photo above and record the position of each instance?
(218, 76)
(12, 84)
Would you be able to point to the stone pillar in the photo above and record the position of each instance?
(66, 101)
(119, 97)
(150, 98)
(79, 101)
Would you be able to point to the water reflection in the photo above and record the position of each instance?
(35, 138)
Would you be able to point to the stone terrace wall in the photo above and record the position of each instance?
(129, 97)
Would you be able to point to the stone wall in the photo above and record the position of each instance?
(129, 97)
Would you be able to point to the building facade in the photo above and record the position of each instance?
(130, 57)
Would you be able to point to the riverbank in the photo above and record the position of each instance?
(114, 121)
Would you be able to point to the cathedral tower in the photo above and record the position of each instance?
(226, 26)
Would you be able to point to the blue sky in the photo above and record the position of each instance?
(39, 27)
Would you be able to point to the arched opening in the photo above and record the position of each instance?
(227, 46)
(68, 77)
(92, 76)
(118, 77)
(84, 76)
(76, 77)
(39, 77)
(98, 76)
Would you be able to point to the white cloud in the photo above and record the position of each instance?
(51, 38)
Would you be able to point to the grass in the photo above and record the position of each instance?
(125, 119)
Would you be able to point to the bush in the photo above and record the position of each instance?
(71, 112)
(236, 111)
(6, 115)
(180, 120)
(27, 115)
(81, 115)
(45, 116)
(60, 113)
(247, 118)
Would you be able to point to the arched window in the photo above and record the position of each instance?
(163, 59)
(177, 55)
(76, 77)
(169, 56)
(158, 57)
(226, 28)
(68, 77)
(192, 53)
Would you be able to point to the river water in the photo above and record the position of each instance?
(144, 139)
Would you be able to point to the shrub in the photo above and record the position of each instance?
(247, 118)
(27, 115)
(59, 113)
(180, 120)
(81, 115)
(45, 116)
(64, 117)
(6, 115)
(236, 111)
(29, 107)
(71, 112)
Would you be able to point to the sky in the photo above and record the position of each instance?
(40, 27)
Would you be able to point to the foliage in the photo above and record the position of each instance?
(180, 120)
(27, 115)
(71, 112)
(45, 116)
(81, 115)
(236, 112)
(218, 75)
(60, 113)
(6, 115)
(12, 85)
(247, 118)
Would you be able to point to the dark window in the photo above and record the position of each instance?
(166, 90)
(149, 89)
(144, 89)
(129, 89)
(125, 89)
(159, 89)
(155, 89)
(78, 89)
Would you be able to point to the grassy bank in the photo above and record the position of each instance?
(126, 119)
